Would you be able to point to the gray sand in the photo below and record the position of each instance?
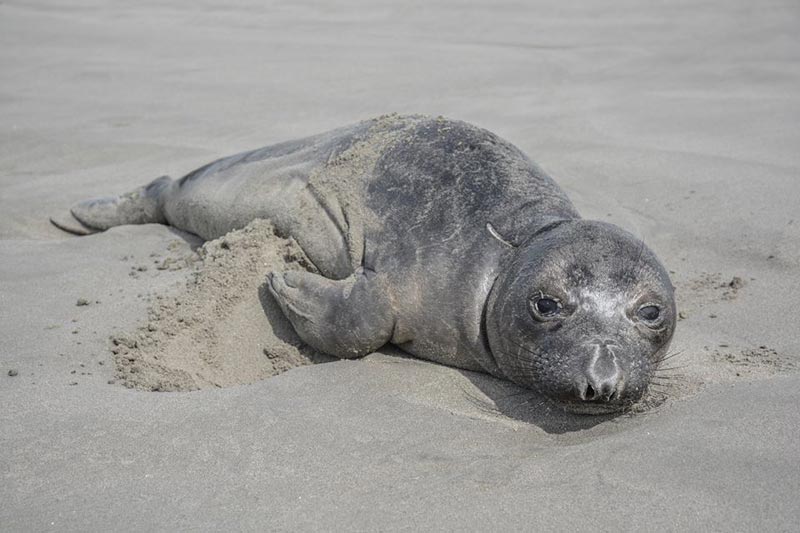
(678, 122)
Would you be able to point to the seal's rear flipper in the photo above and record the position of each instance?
(70, 224)
(141, 206)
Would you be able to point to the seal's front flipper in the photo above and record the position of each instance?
(141, 206)
(346, 318)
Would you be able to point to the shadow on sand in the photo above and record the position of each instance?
(499, 398)
(525, 405)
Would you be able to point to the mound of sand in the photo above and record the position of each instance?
(224, 328)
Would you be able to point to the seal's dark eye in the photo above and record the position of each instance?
(547, 306)
(544, 307)
(649, 313)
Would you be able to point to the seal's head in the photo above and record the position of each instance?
(582, 313)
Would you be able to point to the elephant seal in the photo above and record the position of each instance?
(443, 239)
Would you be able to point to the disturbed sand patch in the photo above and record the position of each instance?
(690, 370)
(761, 361)
(224, 329)
(698, 361)
(706, 289)
(702, 300)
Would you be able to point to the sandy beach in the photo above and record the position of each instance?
(147, 382)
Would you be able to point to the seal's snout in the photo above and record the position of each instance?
(602, 380)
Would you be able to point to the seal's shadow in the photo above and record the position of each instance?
(191, 239)
(499, 398)
(525, 405)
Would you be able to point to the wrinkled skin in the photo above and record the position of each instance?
(440, 238)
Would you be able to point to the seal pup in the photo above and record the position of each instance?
(443, 239)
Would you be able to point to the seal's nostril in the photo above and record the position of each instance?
(591, 389)
(589, 393)
(599, 390)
